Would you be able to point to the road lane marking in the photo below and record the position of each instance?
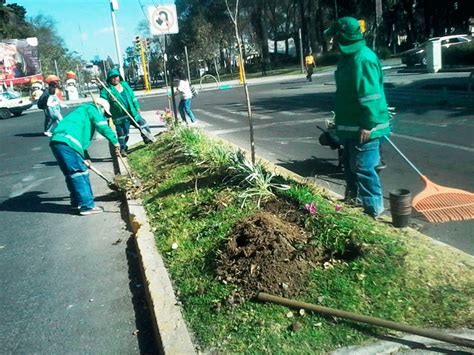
(288, 123)
(424, 140)
(240, 113)
(214, 115)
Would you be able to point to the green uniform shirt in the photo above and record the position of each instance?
(360, 97)
(132, 106)
(77, 128)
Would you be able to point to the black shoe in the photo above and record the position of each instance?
(123, 153)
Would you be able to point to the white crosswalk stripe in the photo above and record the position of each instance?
(242, 113)
(214, 115)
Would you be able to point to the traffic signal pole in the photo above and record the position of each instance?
(145, 72)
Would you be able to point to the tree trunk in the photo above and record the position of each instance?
(313, 10)
(262, 34)
(304, 25)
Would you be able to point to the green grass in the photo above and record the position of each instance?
(380, 271)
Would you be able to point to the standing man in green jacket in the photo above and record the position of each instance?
(362, 117)
(69, 142)
(121, 91)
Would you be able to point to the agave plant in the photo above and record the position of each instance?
(258, 182)
(216, 157)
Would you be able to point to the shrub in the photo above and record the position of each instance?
(459, 55)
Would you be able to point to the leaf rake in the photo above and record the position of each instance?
(440, 204)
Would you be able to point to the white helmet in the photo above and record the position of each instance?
(104, 103)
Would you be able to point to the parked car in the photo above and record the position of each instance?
(13, 104)
(417, 55)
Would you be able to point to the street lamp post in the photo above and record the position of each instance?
(113, 8)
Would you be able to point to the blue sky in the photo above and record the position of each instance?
(86, 25)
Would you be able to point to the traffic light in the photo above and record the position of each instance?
(362, 25)
(147, 44)
(137, 43)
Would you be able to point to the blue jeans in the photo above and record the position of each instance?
(123, 131)
(72, 165)
(362, 181)
(185, 109)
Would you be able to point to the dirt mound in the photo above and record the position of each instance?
(267, 252)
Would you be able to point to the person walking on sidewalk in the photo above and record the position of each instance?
(69, 145)
(186, 94)
(362, 116)
(123, 92)
(310, 63)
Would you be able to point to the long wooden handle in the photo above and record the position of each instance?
(91, 167)
(366, 319)
(121, 106)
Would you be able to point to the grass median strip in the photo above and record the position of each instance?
(228, 229)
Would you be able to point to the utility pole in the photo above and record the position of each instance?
(56, 67)
(114, 7)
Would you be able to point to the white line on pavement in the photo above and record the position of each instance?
(213, 115)
(288, 123)
(240, 113)
(423, 140)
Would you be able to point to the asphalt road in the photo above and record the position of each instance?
(434, 127)
(69, 284)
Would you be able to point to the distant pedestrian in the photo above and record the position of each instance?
(50, 103)
(310, 64)
(362, 117)
(186, 94)
(69, 144)
(122, 92)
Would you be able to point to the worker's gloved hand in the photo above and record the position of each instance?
(117, 149)
(364, 135)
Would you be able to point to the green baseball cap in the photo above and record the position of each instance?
(347, 28)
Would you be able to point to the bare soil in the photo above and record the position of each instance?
(270, 251)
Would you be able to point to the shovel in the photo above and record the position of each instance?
(113, 186)
(143, 132)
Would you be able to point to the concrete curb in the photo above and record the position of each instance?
(170, 330)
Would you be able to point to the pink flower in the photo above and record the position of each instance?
(338, 208)
(311, 207)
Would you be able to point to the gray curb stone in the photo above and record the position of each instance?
(170, 330)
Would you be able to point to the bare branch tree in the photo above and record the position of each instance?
(234, 17)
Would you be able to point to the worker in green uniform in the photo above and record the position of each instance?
(362, 116)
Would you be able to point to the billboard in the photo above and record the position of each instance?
(19, 61)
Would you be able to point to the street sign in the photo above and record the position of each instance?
(163, 19)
